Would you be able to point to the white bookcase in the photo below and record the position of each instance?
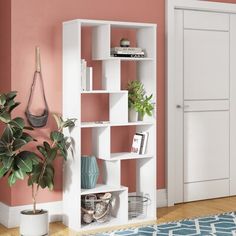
(111, 76)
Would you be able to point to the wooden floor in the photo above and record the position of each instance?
(166, 214)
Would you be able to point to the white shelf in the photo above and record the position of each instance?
(94, 124)
(96, 225)
(126, 58)
(127, 156)
(103, 91)
(103, 188)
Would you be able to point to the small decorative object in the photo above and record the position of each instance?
(138, 101)
(20, 163)
(124, 42)
(96, 208)
(136, 145)
(138, 205)
(89, 172)
(37, 121)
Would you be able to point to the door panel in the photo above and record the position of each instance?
(205, 190)
(206, 146)
(206, 20)
(206, 65)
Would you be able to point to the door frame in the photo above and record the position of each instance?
(171, 6)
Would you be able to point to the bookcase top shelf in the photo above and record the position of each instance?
(115, 24)
(104, 91)
(94, 124)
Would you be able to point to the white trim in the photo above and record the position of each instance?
(171, 6)
(161, 198)
(10, 215)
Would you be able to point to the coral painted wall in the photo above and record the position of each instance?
(37, 22)
(5, 73)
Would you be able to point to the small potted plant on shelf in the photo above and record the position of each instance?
(17, 163)
(139, 103)
(135, 94)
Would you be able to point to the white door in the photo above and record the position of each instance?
(203, 105)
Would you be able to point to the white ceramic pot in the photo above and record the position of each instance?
(133, 115)
(34, 224)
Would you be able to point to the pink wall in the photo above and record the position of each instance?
(40, 23)
(5, 73)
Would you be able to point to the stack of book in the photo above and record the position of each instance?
(127, 52)
(139, 144)
(86, 76)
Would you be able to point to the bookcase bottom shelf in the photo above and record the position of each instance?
(113, 222)
(103, 188)
(126, 156)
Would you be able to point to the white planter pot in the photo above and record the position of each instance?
(34, 224)
(133, 115)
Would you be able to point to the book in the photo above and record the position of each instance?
(136, 145)
(127, 49)
(144, 142)
(83, 74)
(89, 78)
(128, 55)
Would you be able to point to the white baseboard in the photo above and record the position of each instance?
(10, 215)
(161, 198)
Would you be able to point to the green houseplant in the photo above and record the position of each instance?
(18, 163)
(138, 102)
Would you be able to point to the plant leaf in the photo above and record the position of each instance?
(25, 161)
(18, 143)
(19, 174)
(12, 107)
(11, 179)
(7, 135)
(5, 117)
(42, 151)
(17, 122)
(27, 137)
(56, 136)
(3, 171)
(7, 161)
(3, 99)
(58, 120)
(11, 95)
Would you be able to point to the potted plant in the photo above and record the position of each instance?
(145, 107)
(17, 163)
(135, 94)
(139, 103)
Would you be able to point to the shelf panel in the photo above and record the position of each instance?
(96, 225)
(94, 124)
(103, 188)
(103, 91)
(126, 58)
(126, 156)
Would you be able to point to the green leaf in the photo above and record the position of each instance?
(11, 179)
(17, 122)
(46, 146)
(19, 174)
(28, 128)
(18, 143)
(7, 135)
(3, 147)
(11, 95)
(25, 161)
(42, 151)
(17, 132)
(27, 137)
(5, 117)
(12, 107)
(7, 161)
(3, 99)
(63, 150)
(3, 171)
(56, 136)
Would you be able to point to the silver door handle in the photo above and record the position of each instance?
(179, 106)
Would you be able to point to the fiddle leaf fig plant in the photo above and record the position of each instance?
(16, 162)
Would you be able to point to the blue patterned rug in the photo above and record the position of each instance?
(218, 225)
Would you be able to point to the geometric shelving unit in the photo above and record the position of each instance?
(101, 138)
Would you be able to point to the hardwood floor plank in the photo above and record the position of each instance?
(165, 214)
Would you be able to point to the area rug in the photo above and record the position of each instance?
(218, 225)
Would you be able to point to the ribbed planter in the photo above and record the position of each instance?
(89, 172)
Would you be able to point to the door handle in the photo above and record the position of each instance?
(179, 106)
